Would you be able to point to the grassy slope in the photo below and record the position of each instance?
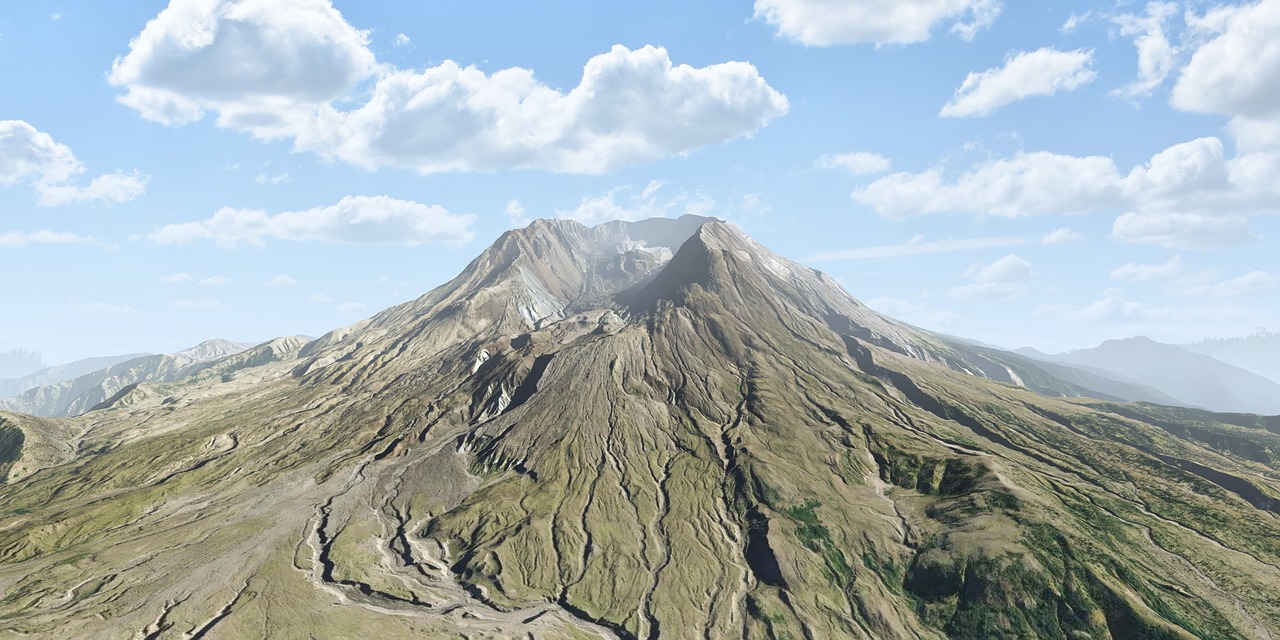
(700, 469)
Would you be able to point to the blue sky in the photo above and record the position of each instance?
(1048, 174)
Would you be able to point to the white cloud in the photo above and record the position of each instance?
(30, 155)
(1043, 72)
(1060, 236)
(197, 305)
(1027, 184)
(1112, 306)
(1236, 71)
(858, 163)
(247, 60)
(401, 40)
(1188, 195)
(1011, 268)
(1075, 20)
(624, 203)
(107, 309)
(351, 307)
(1182, 230)
(1000, 280)
(214, 281)
(281, 280)
(288, 70)
(279, 178)
(319, 298)
(1156, 55)
(1252, 284)
(825, 23)
(176, 278)
(113, 187)
(630, 107)
(1137, 272)
(516, 214)
(917, 246)
(354, 219)
(19, 239)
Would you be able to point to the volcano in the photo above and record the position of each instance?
(656, 429)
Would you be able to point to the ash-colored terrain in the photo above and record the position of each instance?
(644, 430)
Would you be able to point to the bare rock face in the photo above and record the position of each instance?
(639, 430)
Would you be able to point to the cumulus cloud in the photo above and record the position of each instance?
(1074, 21)
(28, 155)
(515, 213)
(19, 239)
(1182, 230)
(289, 70)
(858, 163)
(1138, 272)
(354, 219)
(281, 280)
(823, 23)
(1026, 184)
(245, 60)
(1186, 196)
(1003, 279)
(1236, 71)
(625, 203)
(1011, 268)
(214, 281)
(176, 278)
(1157, 57)
(1060, 236)
(630, 107)
(1043, 72)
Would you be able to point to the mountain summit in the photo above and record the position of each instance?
(639, 430)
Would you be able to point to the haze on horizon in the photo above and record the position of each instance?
(1023, 175)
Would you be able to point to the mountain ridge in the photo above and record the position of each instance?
(1194, 379)
(735, 449)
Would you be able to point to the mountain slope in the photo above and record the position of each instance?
(579, 437)
(62, 373)
(80, 394)
(1193, 378)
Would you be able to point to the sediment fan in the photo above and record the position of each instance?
(636, 430)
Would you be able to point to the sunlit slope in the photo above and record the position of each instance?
(720, 443)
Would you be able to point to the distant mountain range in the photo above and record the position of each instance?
(1180, 376)
(1259, 353)
(99, 379)
(62, 373)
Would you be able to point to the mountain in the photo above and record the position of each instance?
(16, 363)
(1258, 353)
(61, 373)
(636, 430)
(77, 395)
(1193, 378)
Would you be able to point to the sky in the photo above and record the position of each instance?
(1047, 174)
